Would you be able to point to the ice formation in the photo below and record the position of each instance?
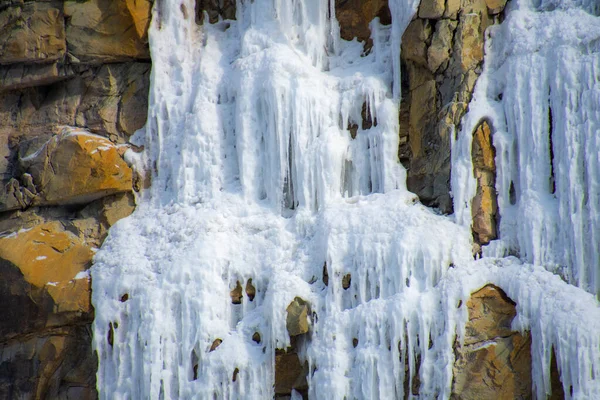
(256, 176)
(541, 91)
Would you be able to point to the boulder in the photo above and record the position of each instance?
(495, 6)
(75, 167)
(297, 317)
(494, 362)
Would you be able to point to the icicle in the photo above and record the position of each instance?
(273, 145)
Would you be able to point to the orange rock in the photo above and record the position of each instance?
(50, 257)
(103, 31)
(77, 167)
(494, 361)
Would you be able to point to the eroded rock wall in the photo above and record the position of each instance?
(74, 78)
(442, 56)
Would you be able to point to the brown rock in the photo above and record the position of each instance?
(414, 42)
(346, 280)
(289, 373)
(494, 361)
(431, 9)
(452, 8)
(495, 6)
(250, 290)
(297, 317)
(108, 31)
(441, 44)
(216, 343)
(469, 41)
(439, 71)
(484, 206)
(115, 100)
(20, 76)
(76, 167)
(111, 101)
(354, 17)
(237, 293)
(31, 32)
(58, 364)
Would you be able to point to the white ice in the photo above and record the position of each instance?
(255, 176)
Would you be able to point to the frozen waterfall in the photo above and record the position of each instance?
(256, 176)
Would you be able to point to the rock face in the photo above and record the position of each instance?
(494, 362)
(74, 79)
(354, 17)
(63, 179)
(442, 53)
(485, 202)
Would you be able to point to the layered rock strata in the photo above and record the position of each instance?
(74, 79)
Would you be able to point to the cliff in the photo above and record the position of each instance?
(74, 85)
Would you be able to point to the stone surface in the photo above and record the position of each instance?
(354, 17)
(289, 374)
(441, 44)
(484, 207)
(111, 101)
(20, 76)
(297, 317)
(58, 364)
(56, 205)
(31, 32)
(51, 258)
(74, 167)
(441, 61)
(495, 6)
(431, 9)
(108, 31)
(494, 361)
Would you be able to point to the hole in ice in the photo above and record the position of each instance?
(235, 374)
(552, 183)
(250, 290)
(459, 304)
(125, 297)
(111, 334)
(367, 119)
(354, 342)
(325, 274)
(216, 343)
(346, 280)
(195, 360)
(256, 337)
(512, 194)
(353, 129)
(237, 294)
(183, 9)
